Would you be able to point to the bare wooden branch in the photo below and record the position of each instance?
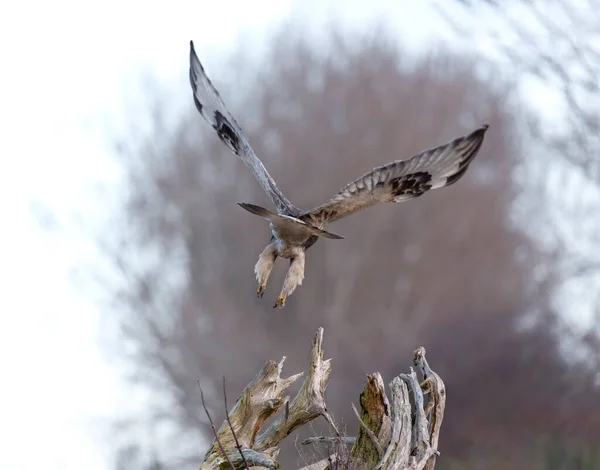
(420, 435)
(392, 435)
(308, 404)
(346, 440)
(436, 401)
(254, 459)
(398, 451)
(367, 430)
(258, 402)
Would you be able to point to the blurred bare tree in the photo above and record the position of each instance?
(553, 45)
(451, 270)
(558, 42)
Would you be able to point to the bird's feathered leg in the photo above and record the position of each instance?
(293, 279)
(263, 267)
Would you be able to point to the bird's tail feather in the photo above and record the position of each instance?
(278, 219)
(257, 210)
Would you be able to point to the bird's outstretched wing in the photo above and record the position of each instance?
(213, 109)
(401, 180)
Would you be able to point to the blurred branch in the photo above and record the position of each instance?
(560, 48)
(214, 430)
(237, 442)
(392, 435)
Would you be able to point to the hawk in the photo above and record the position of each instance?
(295, 230)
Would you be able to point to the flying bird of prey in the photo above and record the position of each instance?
(294, 230)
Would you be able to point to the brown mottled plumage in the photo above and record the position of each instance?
(294, 230)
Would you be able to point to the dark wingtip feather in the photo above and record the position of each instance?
(193, 55)
(193, 58)
(192, 52)
(456, 176)
(477, 138)
(481, 130)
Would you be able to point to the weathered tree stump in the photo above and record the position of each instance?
(397, 434)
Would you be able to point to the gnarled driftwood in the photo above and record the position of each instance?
(397, 434)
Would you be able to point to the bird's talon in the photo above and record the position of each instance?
(280, 302)
(260, 291)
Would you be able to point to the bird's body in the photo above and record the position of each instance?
(294, 230)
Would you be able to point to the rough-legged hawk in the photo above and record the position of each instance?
(294, 230)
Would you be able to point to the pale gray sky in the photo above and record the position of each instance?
(69, 73)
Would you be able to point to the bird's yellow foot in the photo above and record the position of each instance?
(261, 290)
(280, 302)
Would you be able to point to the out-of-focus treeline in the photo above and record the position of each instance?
(456, 271)
(554, 46)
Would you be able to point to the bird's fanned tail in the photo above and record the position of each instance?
(290, 225)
